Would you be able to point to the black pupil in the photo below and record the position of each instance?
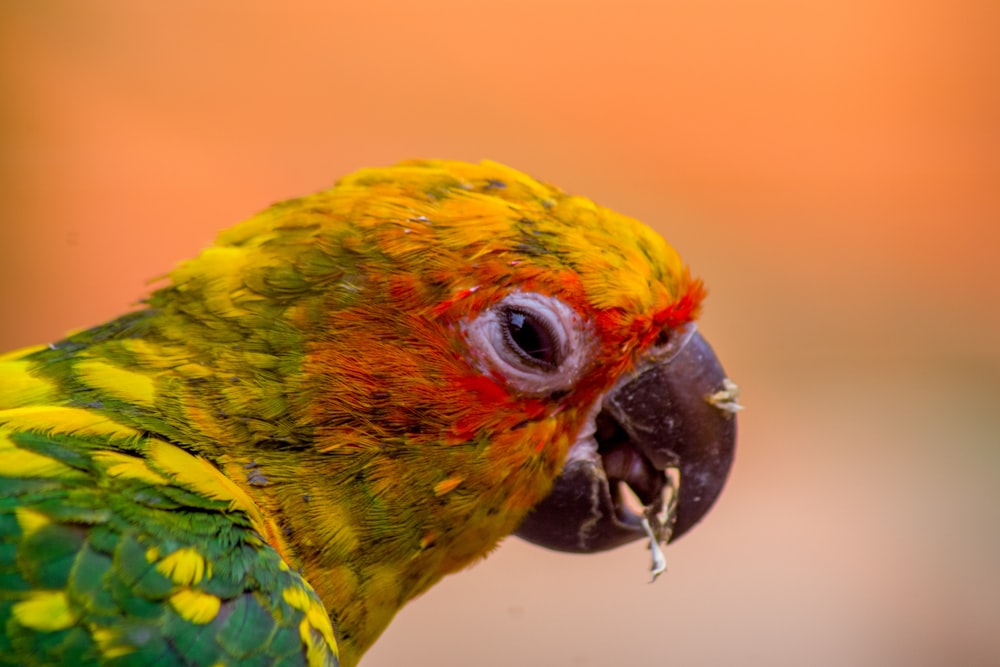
(531, 338)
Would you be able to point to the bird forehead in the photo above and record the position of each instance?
(471, 226)
(471, 214)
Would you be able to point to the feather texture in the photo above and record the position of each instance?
(299, 403)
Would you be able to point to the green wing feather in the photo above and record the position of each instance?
(105, 561)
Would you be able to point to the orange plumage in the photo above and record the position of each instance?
(392, 371)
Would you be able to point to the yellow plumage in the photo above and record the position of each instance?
(345, 398)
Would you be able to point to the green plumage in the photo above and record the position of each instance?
(94, 544)
(368, 388)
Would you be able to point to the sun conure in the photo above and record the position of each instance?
(345, 398)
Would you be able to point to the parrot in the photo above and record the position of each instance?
(345, 398)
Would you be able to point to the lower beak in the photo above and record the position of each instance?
(668, 433)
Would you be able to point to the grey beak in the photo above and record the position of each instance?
(668, 431)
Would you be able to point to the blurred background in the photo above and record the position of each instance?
(830, 168)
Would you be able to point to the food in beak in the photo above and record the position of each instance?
(668, 434)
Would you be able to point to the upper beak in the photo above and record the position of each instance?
(668, 432)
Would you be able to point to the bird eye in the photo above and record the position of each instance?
(531, 338)
(537, 343)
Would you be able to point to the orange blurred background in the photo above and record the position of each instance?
(830, 168)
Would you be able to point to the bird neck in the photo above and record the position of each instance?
(372, 518)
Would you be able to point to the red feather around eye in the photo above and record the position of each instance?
(347, 397)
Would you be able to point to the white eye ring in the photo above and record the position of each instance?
(537, 343)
